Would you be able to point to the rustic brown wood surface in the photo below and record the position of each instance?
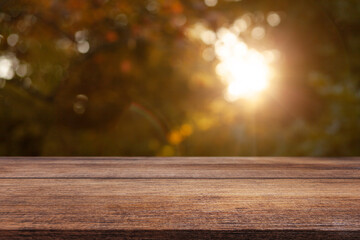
(179, 198)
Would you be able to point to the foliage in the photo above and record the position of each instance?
(106, 77)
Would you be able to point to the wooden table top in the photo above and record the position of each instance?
(179, 198)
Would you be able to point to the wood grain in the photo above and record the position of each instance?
(179, 198)
(194, 167)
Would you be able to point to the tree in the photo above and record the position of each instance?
(108, 77)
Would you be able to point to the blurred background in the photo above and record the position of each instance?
(180, 78)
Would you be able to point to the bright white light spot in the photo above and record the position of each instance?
(12, 39)
(210, 3)
(83, 47)
(273, 19)
(196, 31)
(7, 66)
(243, 70)
(258, 33)
(81, 36)
(221, 32)
(251, 78)
(248, 18)
(6, 70)
(239, 26)
(208, 37)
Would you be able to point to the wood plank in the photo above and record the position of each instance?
(180, 234)
(179, 198)
(194, 167)
(180, 204)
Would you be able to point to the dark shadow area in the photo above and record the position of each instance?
(180, 234)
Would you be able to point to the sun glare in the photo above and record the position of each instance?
(243, 70)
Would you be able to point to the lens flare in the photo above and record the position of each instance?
(243, 70)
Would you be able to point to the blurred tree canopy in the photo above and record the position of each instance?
(107, 77)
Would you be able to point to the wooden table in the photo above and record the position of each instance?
(179, 198)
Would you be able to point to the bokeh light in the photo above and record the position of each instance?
(179, 77)
(8, 65)
(210, 3)
(12, 39)
(273, 19)
(6, 68)
(243, 70)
